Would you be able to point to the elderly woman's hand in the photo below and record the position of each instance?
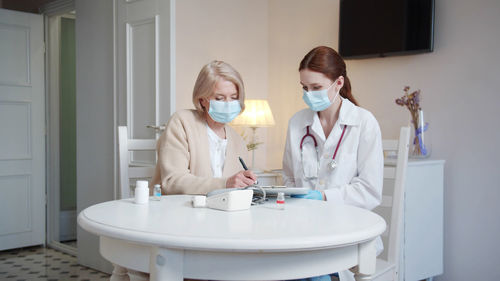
(241, 179)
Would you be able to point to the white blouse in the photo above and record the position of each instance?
(217, 148)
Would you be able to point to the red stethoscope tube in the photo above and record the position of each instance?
(316, 143)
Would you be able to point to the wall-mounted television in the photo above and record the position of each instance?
(379, 28)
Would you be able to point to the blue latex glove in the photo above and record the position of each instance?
(317, 278)
(311, 194)
(321, 278)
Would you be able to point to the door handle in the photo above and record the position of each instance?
(157, 129)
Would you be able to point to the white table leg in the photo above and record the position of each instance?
(367, 255)
(119, 273)
(137, 275)
(166, 264)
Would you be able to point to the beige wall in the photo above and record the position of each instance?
(228, 30)
(459, 83)
(266, 40)
(295, 27)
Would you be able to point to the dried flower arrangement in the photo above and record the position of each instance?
(412, 102)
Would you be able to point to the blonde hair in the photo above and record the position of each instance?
(208, 77)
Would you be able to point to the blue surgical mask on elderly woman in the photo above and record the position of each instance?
(224, 112)
(318, 100)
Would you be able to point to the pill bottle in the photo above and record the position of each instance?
(141, 192)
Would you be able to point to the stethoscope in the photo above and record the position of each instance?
(333, 163)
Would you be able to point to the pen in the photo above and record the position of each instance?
(245, 167)
(243, 164)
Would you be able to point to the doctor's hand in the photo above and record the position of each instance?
(241, 179)
(311, 194)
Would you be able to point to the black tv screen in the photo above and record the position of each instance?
(371, 28)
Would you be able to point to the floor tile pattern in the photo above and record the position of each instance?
(44, 264)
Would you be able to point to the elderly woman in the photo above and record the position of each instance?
(198, 152)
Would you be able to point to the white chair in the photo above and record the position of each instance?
(128, 171)
(391, 208)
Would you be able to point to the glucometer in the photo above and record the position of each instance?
(229, 199)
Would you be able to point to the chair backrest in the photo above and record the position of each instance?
(391, 208)
(128, 171)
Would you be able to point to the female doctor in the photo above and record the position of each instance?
(333, 147)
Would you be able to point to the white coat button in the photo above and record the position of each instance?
(326, 156)
(321, 182)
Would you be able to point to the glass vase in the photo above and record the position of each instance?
(420, 145)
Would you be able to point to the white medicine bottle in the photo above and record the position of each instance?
(141, 192)
(157, 192)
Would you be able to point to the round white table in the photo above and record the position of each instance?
(172, 240)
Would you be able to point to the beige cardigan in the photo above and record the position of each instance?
(184, 159)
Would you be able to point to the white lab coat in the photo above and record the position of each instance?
(357, 180)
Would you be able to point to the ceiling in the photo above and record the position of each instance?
(30, 6)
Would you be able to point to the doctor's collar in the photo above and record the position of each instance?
(348, 115)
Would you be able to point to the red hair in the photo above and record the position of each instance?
(327, 61)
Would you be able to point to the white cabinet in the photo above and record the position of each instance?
(422, 240)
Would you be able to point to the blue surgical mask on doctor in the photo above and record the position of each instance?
(224, 111)
(318, 100)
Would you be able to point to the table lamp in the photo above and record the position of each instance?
(257, 114)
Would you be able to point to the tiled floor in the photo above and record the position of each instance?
(44, 264)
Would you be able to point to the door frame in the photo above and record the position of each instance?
(52, 97)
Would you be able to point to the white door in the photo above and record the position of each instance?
(22, 125)
(145, 68)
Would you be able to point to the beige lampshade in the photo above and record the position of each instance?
(257, 114)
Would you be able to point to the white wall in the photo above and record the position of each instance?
(94, 117)
(460, 97)
(228, 30)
